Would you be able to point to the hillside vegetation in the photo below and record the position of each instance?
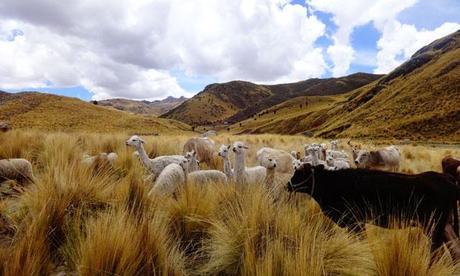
(81, 220)
(237, 100)
(30, 110)
(418, 100)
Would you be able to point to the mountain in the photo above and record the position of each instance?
(237, 100)
(48, 112)
(418, 100)
(144, 107)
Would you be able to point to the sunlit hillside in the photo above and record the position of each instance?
(41, 111)
(419, 100)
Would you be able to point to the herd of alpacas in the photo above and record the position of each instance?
(167, 173)
(326, 172)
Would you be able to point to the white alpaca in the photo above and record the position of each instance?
(156, 165)
(337, 163)
(242, 175)
(195, 175)
(314, 152)
(334, 145)
(171, 178)
(224, 152)
(320, 150)
(109, 157)
(207, 176)
(16, 169)
(283, 158)
(193, 163)
(296, 164)
(337, 154)
(270, 164)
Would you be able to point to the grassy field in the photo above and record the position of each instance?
(91, 221)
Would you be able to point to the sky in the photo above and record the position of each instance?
(151, 49)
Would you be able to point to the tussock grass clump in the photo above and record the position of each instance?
(256, 236)
(118, 243)
(407, 252)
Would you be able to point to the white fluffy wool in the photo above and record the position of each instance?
(283, 158)
(242, 175)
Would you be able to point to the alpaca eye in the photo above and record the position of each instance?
(239, 147)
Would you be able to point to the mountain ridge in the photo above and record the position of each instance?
(420, 100)
(237, 100)
(145, 107)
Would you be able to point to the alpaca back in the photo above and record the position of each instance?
(207, 176)
(172, 177)
(284, 158)
(203, 147)
(255, 175)
(16, 169)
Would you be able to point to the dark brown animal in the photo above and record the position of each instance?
(451, 166)
(352, 197)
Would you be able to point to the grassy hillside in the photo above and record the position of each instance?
(287, 117)
(30, 110)
(237, 100)
(418, 100)
(144, 107)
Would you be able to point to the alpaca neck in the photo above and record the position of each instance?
(143, 156)
(193, 166)
(269, 178)
(314, 159)
(239, 167)
(227, 167)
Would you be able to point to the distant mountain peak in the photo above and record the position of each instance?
(157, 107)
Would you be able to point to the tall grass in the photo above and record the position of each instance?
(101, 221)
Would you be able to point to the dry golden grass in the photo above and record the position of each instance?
(75, 219)
(57, 113)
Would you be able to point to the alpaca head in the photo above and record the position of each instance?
(184, 163)
(239, 148)
(224, 151)
(134, 141)
(330, 160)
(313, 150)
(296, 164)
(191, 157)
(334, 145)
(269, 163)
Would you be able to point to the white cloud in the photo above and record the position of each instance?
(354, 13)
(397, 42)
(124, 49)
(342, 56)
(400, 41)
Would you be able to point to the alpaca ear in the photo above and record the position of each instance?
(193, 153)
(229, 146)
(246, 147)
(142, 141)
